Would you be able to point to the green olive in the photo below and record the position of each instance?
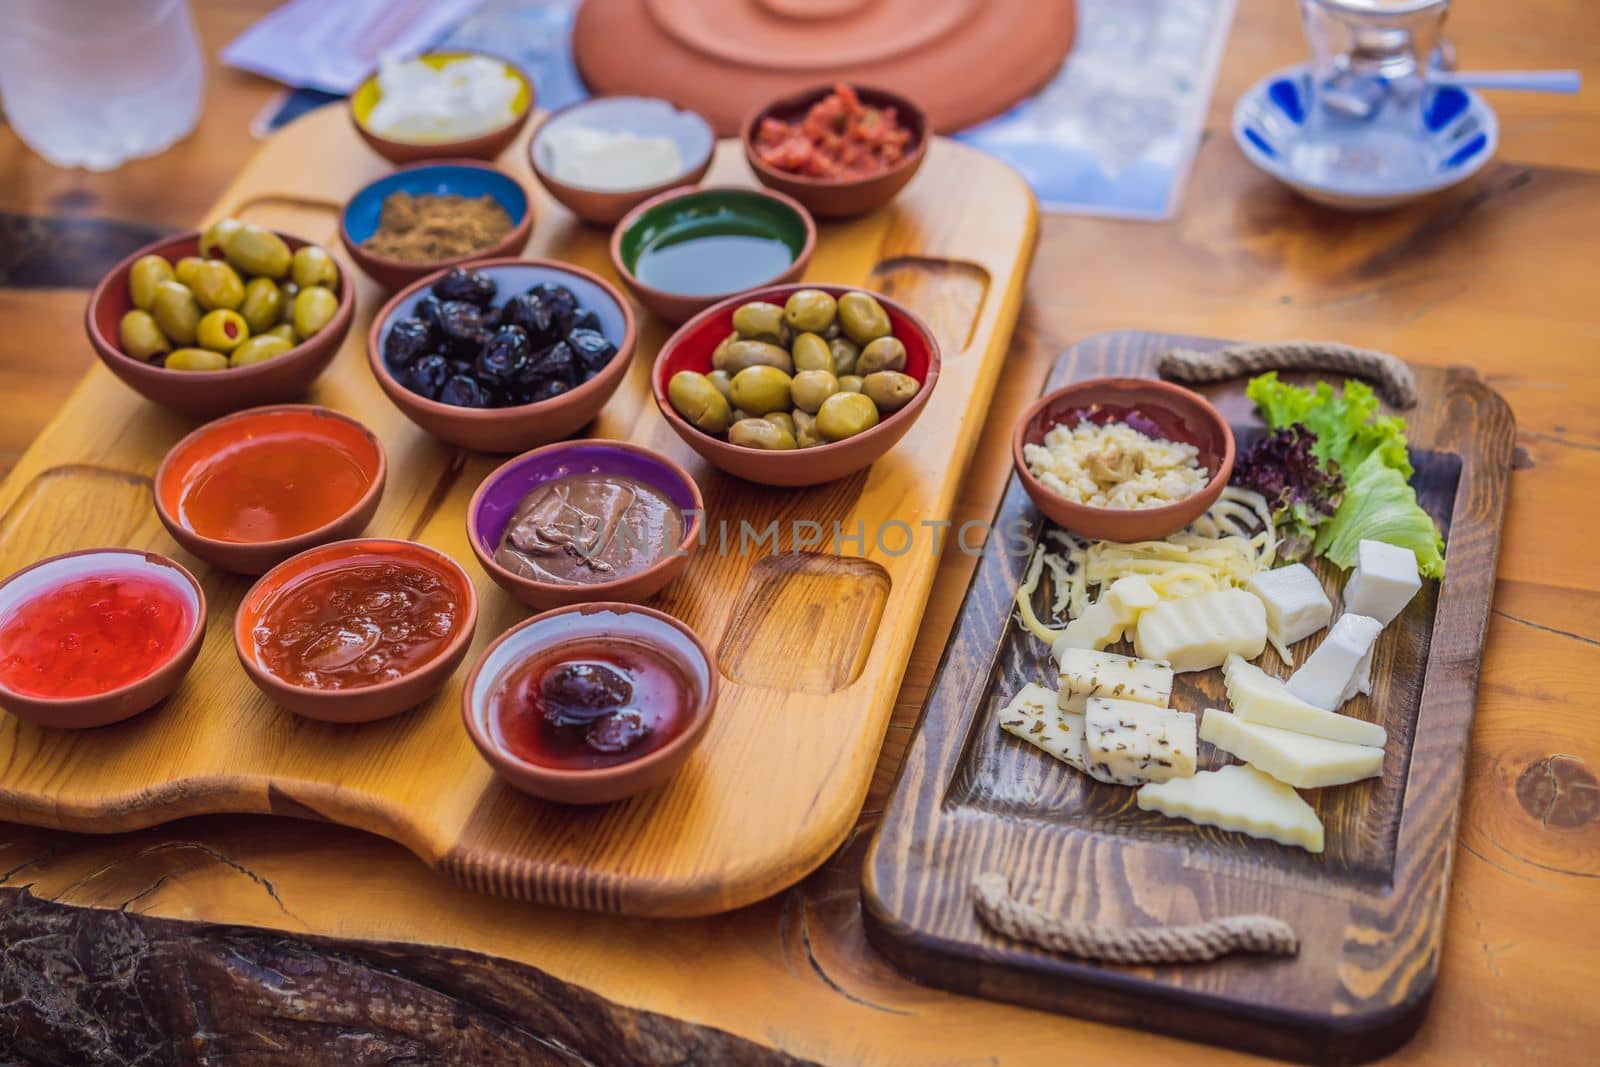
(253, 250)
(845, 415)
(760, 321)
(850, 383)
(259, 349)
(759, 433)
(289, 290)
(862, 317)
(744, 353)
(146, 273)
(217, 285)
(284, 330)
(809, 310)
(196, 359)
(805, 430)
(845, 353)
(183, 271)
(740, 416)
(780, 418)
(886, 353)
(811, 388)
(723, 382)
(222, 330)
(699, 401)
(720, 353)
(759, 390)
(214, 238)
(262, 306)
(176, 311)
(810, 352)
(314, 308)
(140, 336)
(311, 265)
(889, 389)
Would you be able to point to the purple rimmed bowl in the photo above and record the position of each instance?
(498, 496)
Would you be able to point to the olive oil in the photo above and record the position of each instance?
(702, 263)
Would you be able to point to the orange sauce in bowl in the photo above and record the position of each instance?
(272, 486)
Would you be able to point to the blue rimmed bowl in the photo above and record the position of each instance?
(460, 177)
(1362, 164)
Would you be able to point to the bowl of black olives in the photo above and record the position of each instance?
(504, 355)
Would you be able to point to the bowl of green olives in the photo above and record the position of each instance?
(796, 385)
(230, 317)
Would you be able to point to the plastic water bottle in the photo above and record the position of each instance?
(95, 83)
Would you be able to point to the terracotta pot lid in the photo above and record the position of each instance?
(962, 60)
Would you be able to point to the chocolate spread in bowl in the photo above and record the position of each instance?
(589, 528)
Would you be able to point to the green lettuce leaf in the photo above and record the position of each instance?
(1380, 505)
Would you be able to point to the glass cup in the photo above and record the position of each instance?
(1370, 57)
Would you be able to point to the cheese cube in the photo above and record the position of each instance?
(1201, 631)
(1258, 697)
(1296, 605)
(1125, 743)
(1299, 760)
(1238, 797)
(1033, 716)
(1103, 622)
(1086, 673)
(1330, 671)
(1383, 583)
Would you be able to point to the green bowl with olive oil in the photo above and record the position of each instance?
(686, 249)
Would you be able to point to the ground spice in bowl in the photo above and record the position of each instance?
(420, 229)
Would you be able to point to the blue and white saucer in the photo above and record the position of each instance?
(1362, 164)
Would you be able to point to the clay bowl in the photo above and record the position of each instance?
(461, 177)
(365, 703)
(513, 429)
(640, 115)
(1176, 414)
(207, 450)
(487, 145)
(834, 198)
(207, 394)
(683, 214)
(498, 495)
(691, 346)
(578, 623)
(113, 705)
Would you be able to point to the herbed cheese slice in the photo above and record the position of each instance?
(1199, 632)
(1125, 743)
(1086, 673)
(1240, 798)
(1258, 697)
(1299, 760)
(1033, 716)
(1103, 622)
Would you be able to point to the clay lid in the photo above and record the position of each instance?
(962, 60)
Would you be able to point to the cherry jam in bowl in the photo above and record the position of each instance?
(591, 703)
(94, 637)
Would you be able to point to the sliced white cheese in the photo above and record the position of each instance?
(1361, 680)
(1125, 743)
(1199, 632)
(1332, 671)
(1296, 604)
(1103, 622)
(1086, 673)
(1258, 697)
(1033, 716)
(1300, 760)
(1241, 798)
(1384, 581)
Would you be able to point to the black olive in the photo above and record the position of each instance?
(408, 341)
(582, 692)
(532, 316)
(585, 319)
(506, 357)
(592, 349)
(556, 362)
(559, 299)
(461, 326)
(472, 286)
(617, 732)
(463, 366)
(545, 389)
(463, 392)
(426, 311)
(426, 375)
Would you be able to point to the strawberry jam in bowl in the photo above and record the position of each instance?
(356, 630)
(93, 637)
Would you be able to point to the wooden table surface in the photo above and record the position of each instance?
(260, 938)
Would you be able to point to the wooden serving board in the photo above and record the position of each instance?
(811, 644)
(1368, 911)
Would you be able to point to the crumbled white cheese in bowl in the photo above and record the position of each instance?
(421, 103)
(1112, 465)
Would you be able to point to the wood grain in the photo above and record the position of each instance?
(971, 800)
(798, 629)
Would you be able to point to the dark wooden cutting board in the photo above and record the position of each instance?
(1368, 911)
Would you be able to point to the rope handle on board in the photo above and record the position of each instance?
(1394, 380)
(1197, 943)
